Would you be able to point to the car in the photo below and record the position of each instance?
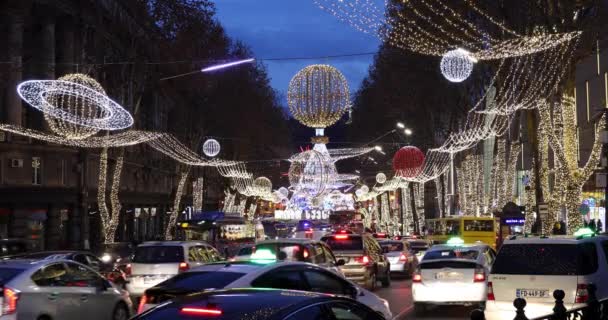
(244, 253)
(305, 250)
(419, 247)
(533, 267)
(400, 256)
(261, 304)
(361, 258)
(156, 261)
(59, 289)
(380, 235)
(452, 274)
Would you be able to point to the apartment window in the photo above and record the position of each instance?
(36, 171)
(587, 99)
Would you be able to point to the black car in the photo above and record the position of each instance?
(260, 304)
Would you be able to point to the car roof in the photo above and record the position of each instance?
(465, 246)
(246, 266)
(554, 239)
(26, 263)
(171, 243)
(288, 240)
(447, 259)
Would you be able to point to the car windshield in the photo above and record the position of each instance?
(7, 274)
(158, 254)
(197, 281)
(343, 244)
(392, 245)
(546, 259)
(451, 253)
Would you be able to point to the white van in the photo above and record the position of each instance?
(155, 262)
(532, 268)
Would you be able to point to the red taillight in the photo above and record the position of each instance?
(11, 297)
(305, 254)
(128, 269)
(183, 266)
(362, 260)
(480, 275)
(309, 231)
(342, 231)
(402, 258)
(582, 293)
(341, 237)
(417, 277)
(142, 303)
(201, 311)
(490, 292)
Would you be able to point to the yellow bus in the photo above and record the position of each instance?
(469, 229)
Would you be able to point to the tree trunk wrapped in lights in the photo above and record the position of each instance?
(101, 192)
(183, 177)
(560, 131)
(114, 201)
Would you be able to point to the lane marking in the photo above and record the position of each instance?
(403, 312)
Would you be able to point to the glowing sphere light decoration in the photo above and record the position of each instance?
(311, 172)
(211, 148)
(318, 96)
(381, 178)
(457, 65)
(262, 185)
(365, 189)
(408, 162)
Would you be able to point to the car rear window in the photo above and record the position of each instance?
(546, 259)
(448, 264)
(455, 253)
(7, 274)
(348, 243)
(201, 280)
(392, 245)
(245, 251)
(292, 252)
(158, 254)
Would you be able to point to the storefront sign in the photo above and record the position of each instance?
(514, 221)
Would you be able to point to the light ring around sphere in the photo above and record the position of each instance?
(456, 65)
(211, 147)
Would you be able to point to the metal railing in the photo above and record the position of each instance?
(593, 310)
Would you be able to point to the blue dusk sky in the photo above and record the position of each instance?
(296, 28)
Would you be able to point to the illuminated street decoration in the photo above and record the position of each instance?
(75, 103)
(408, 162)
(310, 172)
(211, 148)
(457, 65)
(380, 178)
(227, 65)
(318, 96)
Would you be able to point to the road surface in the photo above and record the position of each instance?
(399, 296)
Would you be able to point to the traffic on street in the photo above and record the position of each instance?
(303, 160)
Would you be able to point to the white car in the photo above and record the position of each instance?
(59, 289)
(280, 275)
(157, 261)
(532, 268)
(452, 274)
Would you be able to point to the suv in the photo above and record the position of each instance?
(304, 250)
(362, 258)
(155, 262)
(532, 268)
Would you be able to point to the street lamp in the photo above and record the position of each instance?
(407, 131)
(400, 125)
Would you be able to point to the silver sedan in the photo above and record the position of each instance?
(59, 289)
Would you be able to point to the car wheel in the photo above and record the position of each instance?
(44, 318)
(386, 281)
(419, 309)
(371, 282)
(120, 312)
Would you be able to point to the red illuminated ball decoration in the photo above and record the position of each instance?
(408, 162)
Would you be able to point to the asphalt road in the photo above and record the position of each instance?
(399, 296)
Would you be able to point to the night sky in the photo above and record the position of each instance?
(296, 28)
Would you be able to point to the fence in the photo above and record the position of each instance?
(593, 310)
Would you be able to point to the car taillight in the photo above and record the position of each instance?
(362, 260)
(402, 258)
(480, 275)
(128, 269)
(183, 266)
(582, 293)
(417, 277)
(341, 237)
(11, 297)
(142, 302)
(201, 311)
(490, 292)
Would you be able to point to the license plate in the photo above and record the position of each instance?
(448, 276)
(532, 293)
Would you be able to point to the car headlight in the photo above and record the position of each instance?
(106, 258)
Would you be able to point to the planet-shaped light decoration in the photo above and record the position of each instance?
(311, 172)
(211, 148)
(262, 185)
(365, 189)
(381, 178)
(318, 96)
(457, 65)
(408, 162)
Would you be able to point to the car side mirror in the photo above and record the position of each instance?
(340, 262)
